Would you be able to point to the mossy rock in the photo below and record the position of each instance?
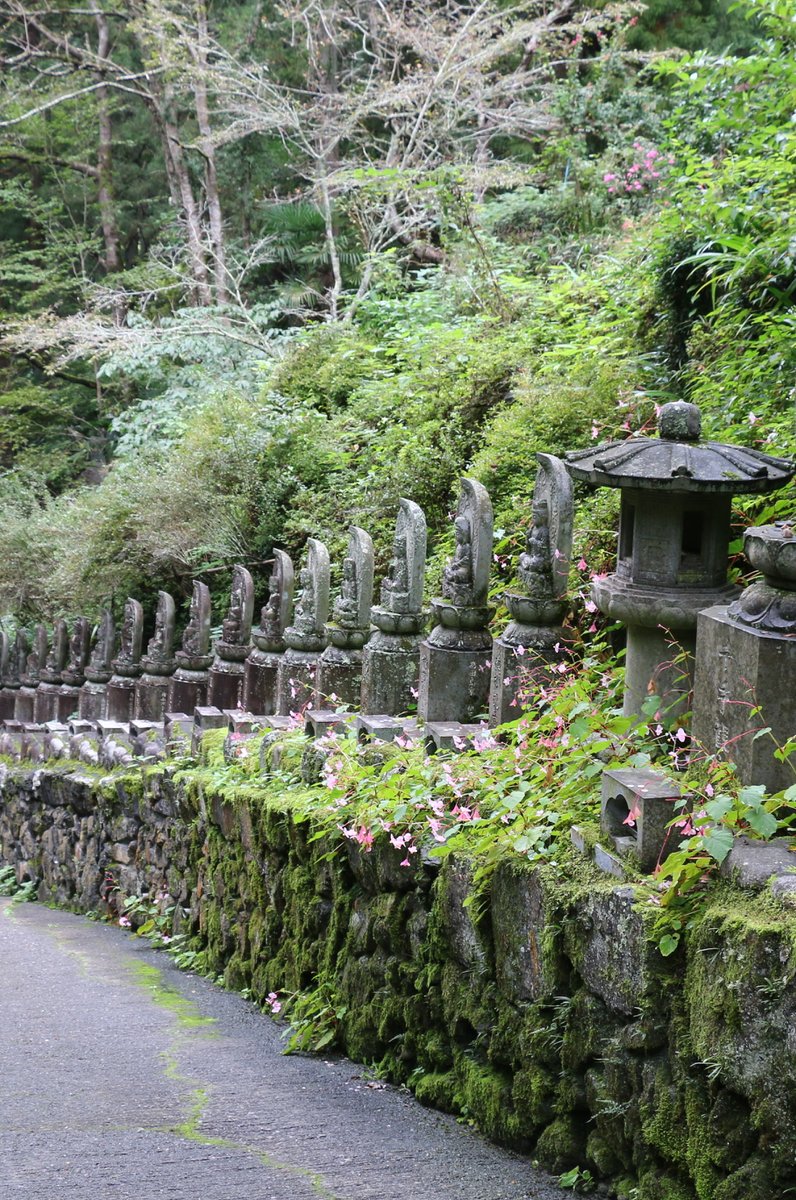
(562, 1145)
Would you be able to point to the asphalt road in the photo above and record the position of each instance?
(124, 1078)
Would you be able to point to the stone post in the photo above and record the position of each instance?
(94, 692)
(340, 668)
(127, 664)
(17, 662)
(262, 664)
(189, 683)
(455, 658)
(225, 688)
(74, 673)
(152, 688)
(35, 661)
(746, 659)
(531, 642)
(391, 659)
(306, 636)
(6, 693)
(47, 693)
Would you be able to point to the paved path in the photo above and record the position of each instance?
(122, 1078)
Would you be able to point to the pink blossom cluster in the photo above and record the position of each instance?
(643, 175)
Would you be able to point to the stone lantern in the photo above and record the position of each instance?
(674, 531)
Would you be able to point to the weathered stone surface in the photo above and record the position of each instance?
(453, 683)
(752, 863)
(740, 667)
(618, 958)
(518, 925)
(636, 809)
(469, 945)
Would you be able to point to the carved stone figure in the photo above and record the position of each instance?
(79, 647)
(189, 683)
(533, 638)
(128, 659)
(402, 589)
(306, 635)
(275, 613)
(346, 609)
(59, 651)
(99, 667)
(311, 609)
(236, 626)
(159, 657)
(225, 687)
(454, 670)
(340, 670)
(536, 561)
(196, 635)
(36, 659)
(391, 659)
(457, 578)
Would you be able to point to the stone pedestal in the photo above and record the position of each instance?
(296, 680)
(25, 704)
(739, 668)
(225, 683)
(189, 683)
(46, 708)
(93, 702)
(121, 698)
(339, 677)
(524, 655)
(661, 638)
(151, 696)
(68, 703)
(260, 674)
(455, 665)
(8, 696)
(391, 671)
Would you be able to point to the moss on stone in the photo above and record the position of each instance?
(563, 1143)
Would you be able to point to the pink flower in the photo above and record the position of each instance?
(273, 1003)
(365, 837)
(590, 606)
(125, 922)
(582, 565)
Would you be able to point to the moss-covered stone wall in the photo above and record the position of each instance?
(540, 1011)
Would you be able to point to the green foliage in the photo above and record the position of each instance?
(20, 893)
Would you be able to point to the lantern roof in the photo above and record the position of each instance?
(679, 461)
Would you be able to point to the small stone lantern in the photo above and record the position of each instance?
(674, 531)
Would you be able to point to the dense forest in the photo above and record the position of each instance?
(266, 267)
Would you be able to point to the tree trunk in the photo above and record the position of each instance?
(208, 150)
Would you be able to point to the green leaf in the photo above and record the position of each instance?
(718, 843)
(669, 943)
(718, 808)
(763, 822)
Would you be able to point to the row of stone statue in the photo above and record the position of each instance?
(372, 657)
